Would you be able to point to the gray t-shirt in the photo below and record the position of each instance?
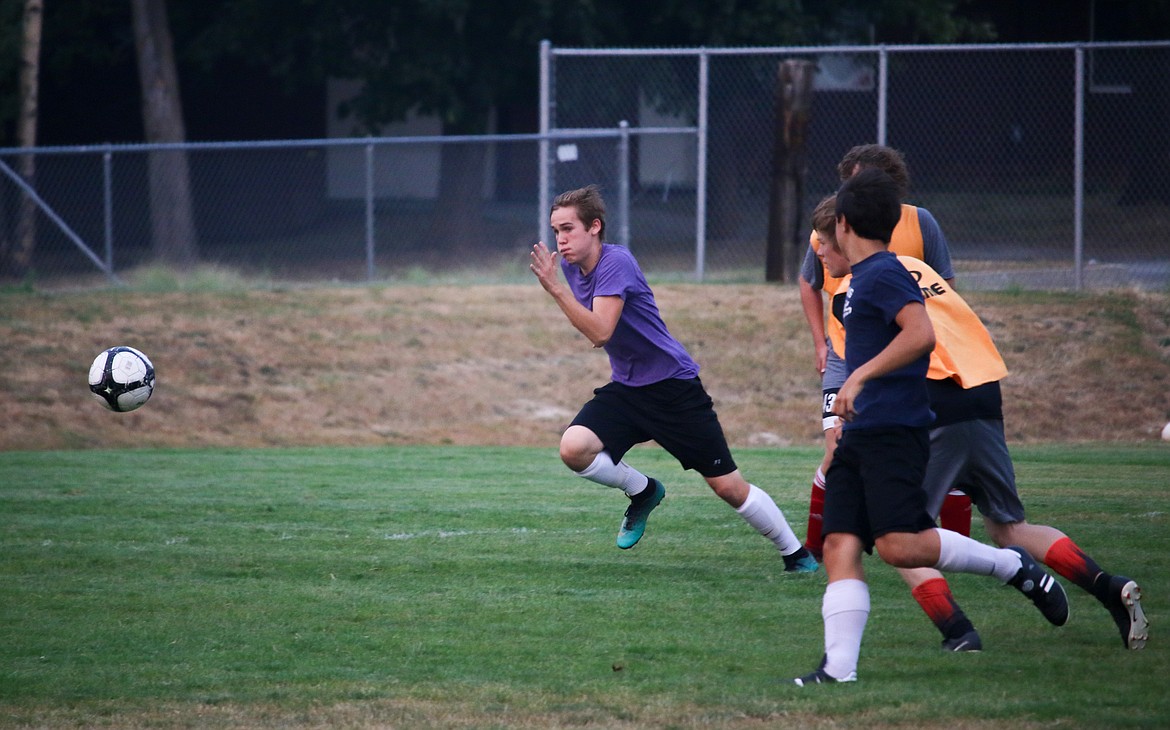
(935, 252)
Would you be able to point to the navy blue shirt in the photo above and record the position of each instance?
(880, 288)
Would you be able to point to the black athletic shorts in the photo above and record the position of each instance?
(678, 414)
(874, 483)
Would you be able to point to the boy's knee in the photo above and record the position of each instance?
(898, 550)
(578, 449)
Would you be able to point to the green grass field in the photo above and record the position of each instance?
(480, 587)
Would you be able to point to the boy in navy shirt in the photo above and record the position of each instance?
(874, 495)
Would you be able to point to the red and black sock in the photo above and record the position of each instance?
(1067, 559)
(813, 540)
(936, 600)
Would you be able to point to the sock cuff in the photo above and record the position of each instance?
(621, 475)
(819, 479)
(933, 587)
(849, 594)
(600, 462)
(749, 503)
(1061, 546)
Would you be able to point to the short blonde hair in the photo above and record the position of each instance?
(824, 219)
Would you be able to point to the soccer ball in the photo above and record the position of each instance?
(122, 378)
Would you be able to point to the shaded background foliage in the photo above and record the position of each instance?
(256, 69)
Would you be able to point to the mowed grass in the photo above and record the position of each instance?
(480, 587)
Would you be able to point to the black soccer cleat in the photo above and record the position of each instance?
(1125, 605)
(1041, 588)
(820, 676)
(969, 641)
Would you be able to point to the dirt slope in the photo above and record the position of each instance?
(501, 365)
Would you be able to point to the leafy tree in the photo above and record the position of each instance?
(458, 60)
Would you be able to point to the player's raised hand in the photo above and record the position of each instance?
(543, 264)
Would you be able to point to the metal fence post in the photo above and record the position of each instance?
(1079, 170)
(883, 91)
(701, 171)
(57, 220)
(369, 211)
(624, 183)
(108, 207)
(543, 163)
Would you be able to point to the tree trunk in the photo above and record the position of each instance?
(18, 251)
(789, 169)
(171, 213)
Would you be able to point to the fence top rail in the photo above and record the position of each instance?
(918, 48)
(552, 135)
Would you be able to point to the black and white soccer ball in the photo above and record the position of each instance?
(122, 378)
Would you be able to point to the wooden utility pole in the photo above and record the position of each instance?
(793, 97)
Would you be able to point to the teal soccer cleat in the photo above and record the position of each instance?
(800, 561)
(634, 523)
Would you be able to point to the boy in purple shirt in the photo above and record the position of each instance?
(655, 393)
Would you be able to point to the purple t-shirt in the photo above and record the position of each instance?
(641, 350)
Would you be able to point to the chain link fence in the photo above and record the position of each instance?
(1043, 164)
(347, 210)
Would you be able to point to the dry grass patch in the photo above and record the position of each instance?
(499, 365)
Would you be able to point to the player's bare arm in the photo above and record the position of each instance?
(597, 324)
(915, 340)
(812, 302)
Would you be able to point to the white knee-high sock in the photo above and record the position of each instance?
(961, 554)
(845, 609)
(619, 476)
(760, 511)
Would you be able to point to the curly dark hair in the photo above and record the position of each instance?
(884, 158)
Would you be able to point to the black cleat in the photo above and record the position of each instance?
(969, 641)
(822, 677)
(1041, 588)
(1125, 604)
